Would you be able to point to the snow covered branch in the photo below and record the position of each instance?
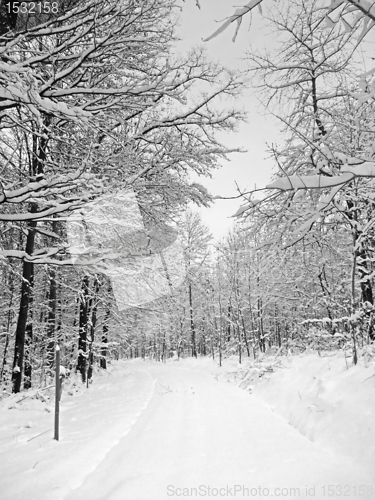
(295, 182)
(235, 18)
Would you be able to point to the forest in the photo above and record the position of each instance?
(103, 126)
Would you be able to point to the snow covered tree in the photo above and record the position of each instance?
(91, 98)
(351, 13)
(195, 240)
(324, 183)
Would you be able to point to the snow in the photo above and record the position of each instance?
(366, 169)
(326, 398)
(295, 182)
(148, 430)
(247, 206)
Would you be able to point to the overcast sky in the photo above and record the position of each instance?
(252, 167)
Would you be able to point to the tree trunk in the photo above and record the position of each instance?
(262, 344)
(229, 316)
(92, 328)
(26, 294)
(277, 326)
(104, 350)
(221, 317)
(327, 295)
(36, 167)
(51, 318)
(366, 288)
(192, 326)
(239, 343)
(29, 340)
(83, 323)
(245, 333)
(52, 306)
(353, 305)
(9, 322)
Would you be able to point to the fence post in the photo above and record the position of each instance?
(57, 393)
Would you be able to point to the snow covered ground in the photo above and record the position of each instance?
(326, 398)
(148, 431)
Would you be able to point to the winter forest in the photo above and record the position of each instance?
(105, 129)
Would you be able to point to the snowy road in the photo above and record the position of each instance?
(199, 433)
(154, 431)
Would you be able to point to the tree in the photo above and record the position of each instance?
(310, 83)
(350, 12)
(91, 98)
(195, 241)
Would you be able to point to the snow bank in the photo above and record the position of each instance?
(325, 397)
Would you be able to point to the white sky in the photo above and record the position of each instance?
(252, 167)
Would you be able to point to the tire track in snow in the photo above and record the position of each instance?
(199, 431)
(92, 423)
(111, 444)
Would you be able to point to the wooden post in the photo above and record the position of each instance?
(57, 393)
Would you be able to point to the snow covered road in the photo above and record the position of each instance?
(200, 433)
(159, 431)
